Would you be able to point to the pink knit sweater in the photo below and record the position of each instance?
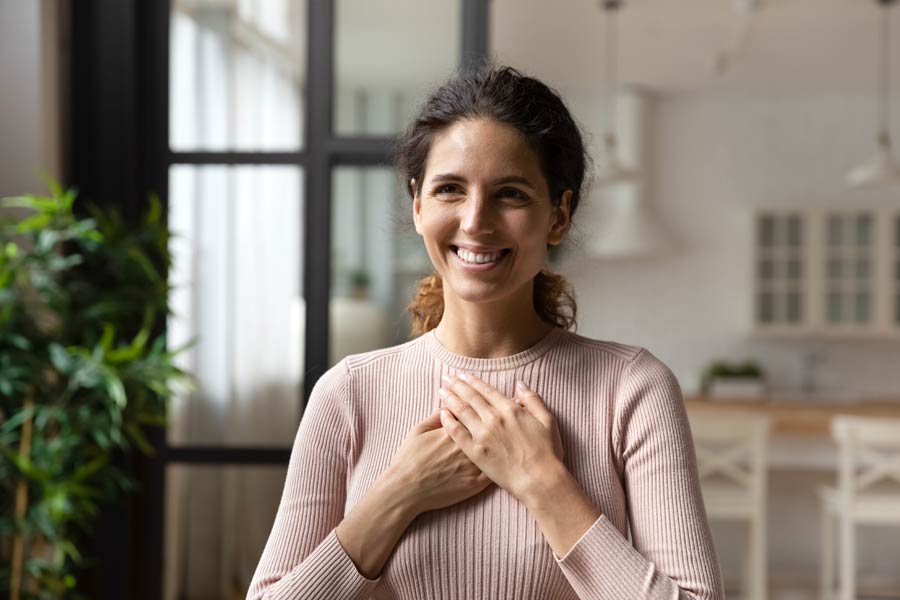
(627, 442)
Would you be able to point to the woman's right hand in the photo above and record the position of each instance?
(431, 470)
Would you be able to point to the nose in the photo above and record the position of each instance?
(477, 217)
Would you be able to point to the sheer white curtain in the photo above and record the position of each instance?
(238, 268)
(237, 255)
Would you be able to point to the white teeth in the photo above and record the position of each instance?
(473, 257)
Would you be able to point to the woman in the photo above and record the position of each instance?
(529, 450)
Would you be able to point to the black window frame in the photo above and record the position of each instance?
(119, 153)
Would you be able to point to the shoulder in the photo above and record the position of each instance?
(649, 385)
(333, 381)
(635, 366)
(648, 370)
(608, 350)
(339, 376)
(364, 361)
(638, 359)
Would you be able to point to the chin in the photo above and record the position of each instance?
(480, 292)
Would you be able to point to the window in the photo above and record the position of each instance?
(278, 117)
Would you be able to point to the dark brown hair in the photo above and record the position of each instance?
(505, 95)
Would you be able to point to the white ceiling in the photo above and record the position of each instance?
(794, 46)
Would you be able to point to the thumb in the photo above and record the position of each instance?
(532, 402)
(432, 421)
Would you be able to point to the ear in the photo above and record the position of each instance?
(417, 205)
(561, 220)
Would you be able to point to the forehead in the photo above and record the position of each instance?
(482, 149)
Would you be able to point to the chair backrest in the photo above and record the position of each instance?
(868, 451)
(732, 446)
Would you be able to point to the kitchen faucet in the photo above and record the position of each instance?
(810, 361)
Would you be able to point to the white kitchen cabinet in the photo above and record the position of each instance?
(781, 266)
(827, 271)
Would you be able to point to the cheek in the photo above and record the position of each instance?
(436, 233)
(532, 233)
(436, 225)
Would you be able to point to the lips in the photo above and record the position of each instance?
(464, 253)
(478, 249)
(470, 265)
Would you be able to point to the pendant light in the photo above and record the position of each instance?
(882, 169)
(613, 171)
(626, 224)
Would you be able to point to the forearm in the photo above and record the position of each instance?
(561, 508)
(370, 531)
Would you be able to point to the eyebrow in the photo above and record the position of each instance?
(442, 177)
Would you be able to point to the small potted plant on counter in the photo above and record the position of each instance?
(744, 381)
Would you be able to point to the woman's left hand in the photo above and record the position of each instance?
(514, 441)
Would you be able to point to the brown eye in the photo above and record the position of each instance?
(446, 189)
(513, 193)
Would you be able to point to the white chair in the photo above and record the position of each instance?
(732, 447)
(868, 454)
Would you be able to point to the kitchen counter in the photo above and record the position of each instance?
(798, 416)
(801, 438)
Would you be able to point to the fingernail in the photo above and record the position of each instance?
(442, 391)
(443, 414)
(521, 385)
(464, 376)
(446, 378)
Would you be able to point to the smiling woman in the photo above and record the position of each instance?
(497, 454)
(505, 164)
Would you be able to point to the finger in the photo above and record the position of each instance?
(468, 394)
(460, 410)
(459, 434)
(492, 395)
(534, 404)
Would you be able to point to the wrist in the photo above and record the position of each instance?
(396, 492)
(545, 485)
(561, 509)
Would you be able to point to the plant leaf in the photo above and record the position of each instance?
(35, 223)
(60, 358)
(140, 440)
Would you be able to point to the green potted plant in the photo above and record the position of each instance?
(723, 379)
(81, 375)
(359, 284)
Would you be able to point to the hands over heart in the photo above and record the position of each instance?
(514, 441)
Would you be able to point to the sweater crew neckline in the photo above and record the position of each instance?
(459, 361)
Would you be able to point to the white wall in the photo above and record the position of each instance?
(713, 159)
(20, 100)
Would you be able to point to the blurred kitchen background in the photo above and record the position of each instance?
(748, 241)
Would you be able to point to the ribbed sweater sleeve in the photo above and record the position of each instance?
(671, 555)
(303, 557)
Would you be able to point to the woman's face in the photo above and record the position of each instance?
(484, 211)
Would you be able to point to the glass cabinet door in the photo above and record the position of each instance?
(831, 271)
(849, 269)
(780, 270)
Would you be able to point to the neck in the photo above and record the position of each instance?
(490, 329)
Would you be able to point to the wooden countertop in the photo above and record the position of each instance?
(793, 416)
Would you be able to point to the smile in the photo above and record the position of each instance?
(477, 261)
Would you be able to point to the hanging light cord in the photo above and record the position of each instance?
(885, 56)
(611, 7)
